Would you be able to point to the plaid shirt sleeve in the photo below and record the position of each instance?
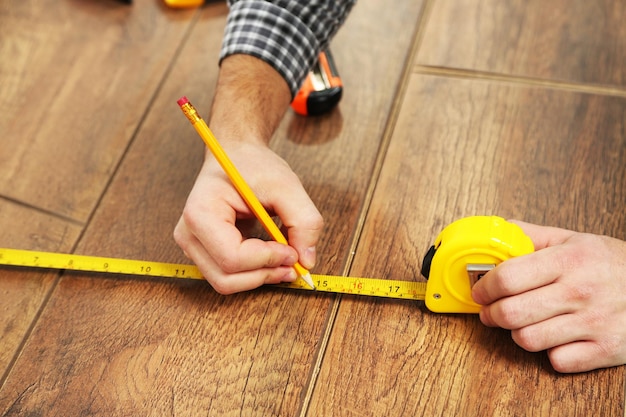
(287, 34)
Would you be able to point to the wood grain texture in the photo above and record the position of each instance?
(75, 79)
(546, 156)
(114, 347)
(119, 346)
(153, 347)
(22, 292)
(575, 41)
(335, 154)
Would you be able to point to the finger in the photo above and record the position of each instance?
(225, 244)
(556, 331)
(582, 356)
(528, 308)
(304, 225)
(527, 272)
(301, 220)
(281, 192)
(544, 236)
(517, 275)
(226, 283)
(249, 280)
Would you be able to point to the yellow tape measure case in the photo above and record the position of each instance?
(463, 252)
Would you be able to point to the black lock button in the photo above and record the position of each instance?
(428, 260)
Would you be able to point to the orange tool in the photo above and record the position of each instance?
(181, 4)
(321, 90)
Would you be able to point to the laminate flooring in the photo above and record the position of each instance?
(451, 108)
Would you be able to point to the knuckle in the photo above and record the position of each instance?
(221, 286)
(506, 314)
(561, 363)
(527, 339)
(180, 238)
(272, 260)
(316, 222)
(593, 320)
(190, 216)
(229, 265)
(505, 278)
(612, 347)
(580, 293)
(582, 248)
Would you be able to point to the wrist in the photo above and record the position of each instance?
(251, 99)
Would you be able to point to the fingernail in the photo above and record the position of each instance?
(308, 258)
(290, 276)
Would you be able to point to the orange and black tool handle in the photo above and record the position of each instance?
(321, 90)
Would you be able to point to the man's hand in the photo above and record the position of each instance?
(568, 297)
(250, 100)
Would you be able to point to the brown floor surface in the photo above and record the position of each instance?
(451, 108)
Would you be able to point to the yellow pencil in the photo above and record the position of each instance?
(240, 184)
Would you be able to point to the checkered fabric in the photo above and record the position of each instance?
(287, 34)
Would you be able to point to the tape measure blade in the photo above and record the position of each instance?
(376, 287)
(411, 290)
(66, 261)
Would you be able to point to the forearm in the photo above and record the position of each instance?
(250, 100)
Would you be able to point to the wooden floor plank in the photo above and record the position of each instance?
(22, 292)
(545, 156)
(122, 346)
(574, 41)
(75, 79)
(153, 347)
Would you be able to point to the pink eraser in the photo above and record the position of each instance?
(182, 101)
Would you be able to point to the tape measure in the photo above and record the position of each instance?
(462, 252)
(324, 283)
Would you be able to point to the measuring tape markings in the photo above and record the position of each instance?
(324, 283)
(53, 260)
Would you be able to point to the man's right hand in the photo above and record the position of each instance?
(250, 100)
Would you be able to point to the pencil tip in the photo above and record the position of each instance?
(308, 279)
